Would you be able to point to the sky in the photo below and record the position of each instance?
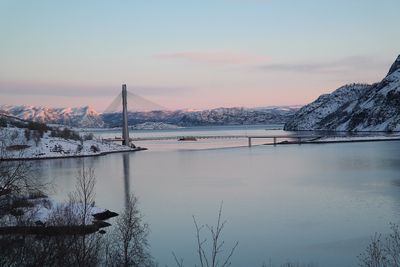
(192, 54)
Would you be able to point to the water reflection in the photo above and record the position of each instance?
(297, 199)
(126, 167)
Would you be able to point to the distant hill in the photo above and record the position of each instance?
(354, 107)
(88, 117)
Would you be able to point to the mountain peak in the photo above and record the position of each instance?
(395, 66)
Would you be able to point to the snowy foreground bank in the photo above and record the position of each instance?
(18, 146)
(44, 209)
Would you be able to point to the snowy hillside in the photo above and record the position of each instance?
(20, 139)
(355, 107)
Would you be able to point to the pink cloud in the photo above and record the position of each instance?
(217, 57)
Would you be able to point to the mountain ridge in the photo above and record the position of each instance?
(79, 116)
(88, 117)
(354, 107)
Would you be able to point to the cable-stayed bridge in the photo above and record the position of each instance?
(127, 101)
(135, 103)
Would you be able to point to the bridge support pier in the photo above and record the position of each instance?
(274, 141)
(249, 141)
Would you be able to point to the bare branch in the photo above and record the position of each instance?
(178, 262)
(214, 259)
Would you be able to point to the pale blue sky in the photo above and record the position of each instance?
(192, 54)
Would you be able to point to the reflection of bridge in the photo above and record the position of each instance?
(290, 138)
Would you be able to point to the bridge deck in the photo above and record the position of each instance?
(159, 138)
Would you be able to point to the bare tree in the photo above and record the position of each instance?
(393, 246)
(13, 174)
(77, 249)
(14, 178)
(214, 258)
(87, 248)
(83, 197)
(17, 179)
(61, 249)
(382, 253)
(129, 245)
(374, 255)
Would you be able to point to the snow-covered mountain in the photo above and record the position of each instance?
(218, 116)
(354, 107)
(80, 117)
(88, 117)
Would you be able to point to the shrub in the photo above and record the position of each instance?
(88, 136)
(94, 149)
(18, 124)
(3, 122)
(65, 133)
(79, 149)
(27, 133)
(37, 136)
(14, 135)
(39, 127)
(16, 147)
(57, 148)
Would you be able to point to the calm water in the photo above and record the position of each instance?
(307, 203)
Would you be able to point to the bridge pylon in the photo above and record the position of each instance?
(125, 129)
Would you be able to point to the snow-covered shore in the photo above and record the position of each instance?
(341, 139)
(18, 147)
(337, 139)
